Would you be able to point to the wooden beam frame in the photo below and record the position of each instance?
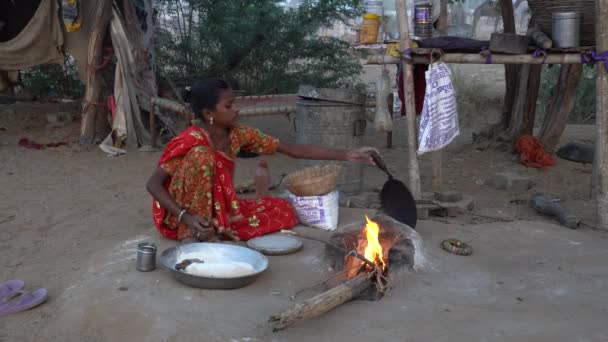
(475, 58)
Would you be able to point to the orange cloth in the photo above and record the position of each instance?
(532, 153)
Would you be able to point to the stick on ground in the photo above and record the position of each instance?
(323, 302)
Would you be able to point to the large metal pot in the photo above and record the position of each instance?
(566, 29)
(215, 251)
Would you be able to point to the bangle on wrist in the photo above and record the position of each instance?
(181, 215)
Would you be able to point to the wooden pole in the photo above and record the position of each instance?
(561, 104)
(389, 135)
(94, 84)
(601, 114)
(533, 91)
(409, 103)
(436, 165)
(474, 58)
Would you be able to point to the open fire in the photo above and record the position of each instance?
(363, 254)
(369, 246)
(373, 250)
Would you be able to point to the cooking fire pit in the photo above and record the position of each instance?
(364, 255)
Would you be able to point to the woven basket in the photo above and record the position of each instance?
(313, 181)
(542, 16)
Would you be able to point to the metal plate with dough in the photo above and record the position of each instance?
(275, 244)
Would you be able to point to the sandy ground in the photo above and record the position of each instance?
(70, 221)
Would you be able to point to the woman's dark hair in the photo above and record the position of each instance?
(205, 94)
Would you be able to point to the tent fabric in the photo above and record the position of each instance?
(40, 42)
(127, 123)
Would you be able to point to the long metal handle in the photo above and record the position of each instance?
(380, 163)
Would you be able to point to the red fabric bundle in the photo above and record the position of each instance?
(532, 153)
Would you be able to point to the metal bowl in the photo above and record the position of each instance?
(213, 252)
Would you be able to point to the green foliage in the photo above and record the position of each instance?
(44, 79)
(259, 46)
(584, 108)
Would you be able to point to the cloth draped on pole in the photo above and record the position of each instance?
(40, 41)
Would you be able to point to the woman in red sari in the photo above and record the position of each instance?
(194, 197)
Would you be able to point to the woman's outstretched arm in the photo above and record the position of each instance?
(299, 151)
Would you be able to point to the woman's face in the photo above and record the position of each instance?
(226, 112)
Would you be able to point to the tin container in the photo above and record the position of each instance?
(423, 14)
(566, 29)
(146, 257)
(423, 21)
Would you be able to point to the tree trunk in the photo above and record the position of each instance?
(561, 103)
(511, 71)
(504, 129)
(601, 115)
(442, 21)
(94, 84)
(516, 119)
(533, 90)
(524, 108)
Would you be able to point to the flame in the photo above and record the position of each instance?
(373, 251)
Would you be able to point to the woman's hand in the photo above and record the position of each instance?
(361, 155)
(199, 227)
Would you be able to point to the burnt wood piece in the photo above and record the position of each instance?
(324, 302)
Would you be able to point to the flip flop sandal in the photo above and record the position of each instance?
(457, 247)
(24, 302)
(10, 289)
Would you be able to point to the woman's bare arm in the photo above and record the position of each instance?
(299, 151)
(155, 186)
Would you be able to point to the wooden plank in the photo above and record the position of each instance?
(601, 114)
(409, 103)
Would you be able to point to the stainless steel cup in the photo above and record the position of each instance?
(146, 257)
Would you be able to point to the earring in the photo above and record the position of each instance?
(211, 120)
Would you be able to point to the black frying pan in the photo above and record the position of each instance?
(396, 199)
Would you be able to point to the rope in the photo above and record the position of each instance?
(86, 105)
(486, 52)
(106, 60)
(406, 55)
(538, 53)
(595, 58)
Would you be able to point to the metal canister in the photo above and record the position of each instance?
(146, 257)
(423, 14)
(566, 29)
(423, 21)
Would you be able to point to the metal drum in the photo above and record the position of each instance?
(333, 124)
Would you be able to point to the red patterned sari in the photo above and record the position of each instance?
(201, 182)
